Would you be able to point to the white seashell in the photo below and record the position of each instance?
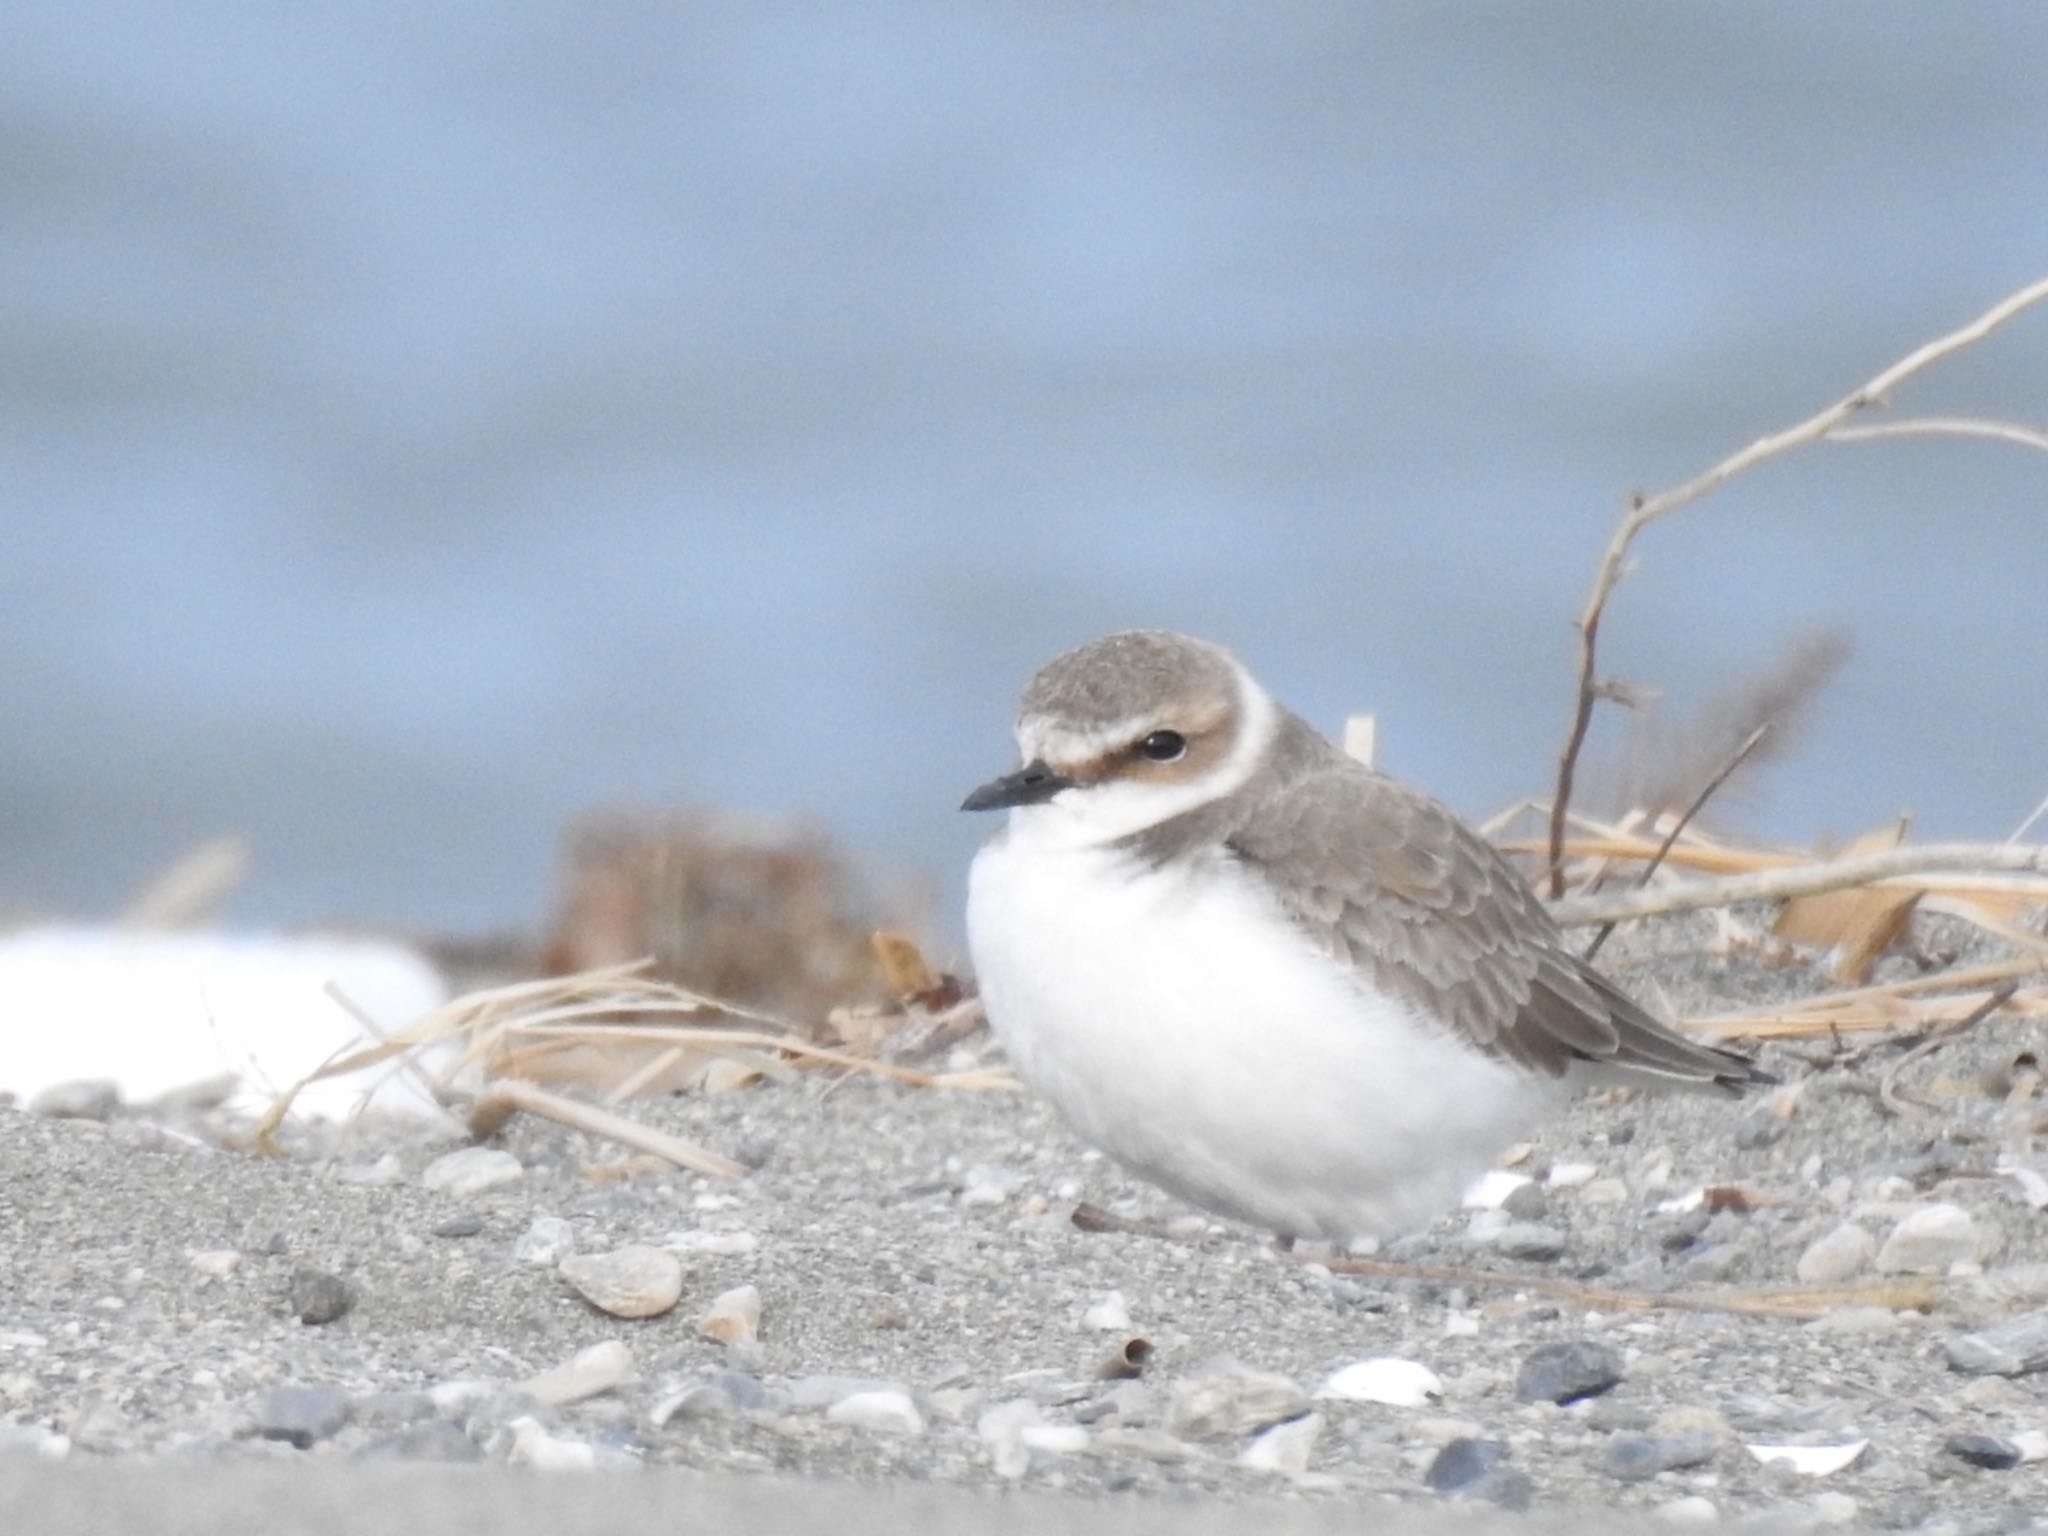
(1813, 1460)
(1397, 1383)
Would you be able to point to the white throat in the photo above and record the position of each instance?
(1091, 815)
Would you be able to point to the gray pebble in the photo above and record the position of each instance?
(1477, 1469)
(1527, 1202)
(435, 1440)
(633, 1281)
(1229, 1398)
(2011, 1348)
(546, 1241)
(1566, 1371)
(472, 1170)
(85, 1098)
(466, 1225)
(1931, 1239)
(302, 1416)
(1837, 1255)
(317, 1297)
(1637, 1458)
(1986, 1451)
(1527, 1240)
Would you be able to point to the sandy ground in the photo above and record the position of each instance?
(919, 1242)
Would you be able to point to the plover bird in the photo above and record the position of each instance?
(1260, 974)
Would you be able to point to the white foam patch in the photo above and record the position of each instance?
(157, 1012)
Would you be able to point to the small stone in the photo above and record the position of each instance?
(302, 1416)
(466, 1225)
(85, 1098)
(1527, 1202)
(1987, 1451)
(734, 1316)
(988, 1186)
(1054, 1439)
(1108, 1313)
(1002, 1428)
(1638, 1458)
(546, 1241)
(720, 1395)
(1833, 1507)
(585, 1374)
(1397, 1383)
(2011, 1348)
(533, 1446)
(1931, 1239)
(217, 1263)
(1693, 1509)
(1229, 1398)
(1490, 1191)
(807, 1394)
(1477, 1469)
(317, 1297)
(2032, 1444)
(435, 1440)
(1570, 1175)
(472, 1170)
(1837, 1255)
(1607, 1191)
(1284, 1447)
(890, 1411)
(1527, 1240)
(634, 1281)
(1567, 1371)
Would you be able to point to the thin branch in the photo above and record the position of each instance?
(1735, 761)
(1944, 426)
(1937, 1036)
(1802, 880)
(1645, 510)
(1799, 1302)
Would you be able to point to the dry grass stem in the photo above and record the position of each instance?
(1799, 1303)
(1782, 883)
(497, 1103)
(1888, 1093)
(1648, 509)
(1735, 760)
(616, 1029)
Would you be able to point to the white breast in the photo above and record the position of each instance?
(1187, 1029)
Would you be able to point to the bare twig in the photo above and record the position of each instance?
(496, 1104)
(1803, 880)
(1796, 1301)
(1735, 761)
(1888, 1085)
(1645, 510)
(1944, 426)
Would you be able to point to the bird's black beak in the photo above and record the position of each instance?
(1033, 784)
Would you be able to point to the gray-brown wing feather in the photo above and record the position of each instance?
(1396, 885)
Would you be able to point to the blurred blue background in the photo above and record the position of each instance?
(420, 422)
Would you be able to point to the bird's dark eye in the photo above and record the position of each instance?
(1163, 746)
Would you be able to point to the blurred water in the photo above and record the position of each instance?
(419, 422)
